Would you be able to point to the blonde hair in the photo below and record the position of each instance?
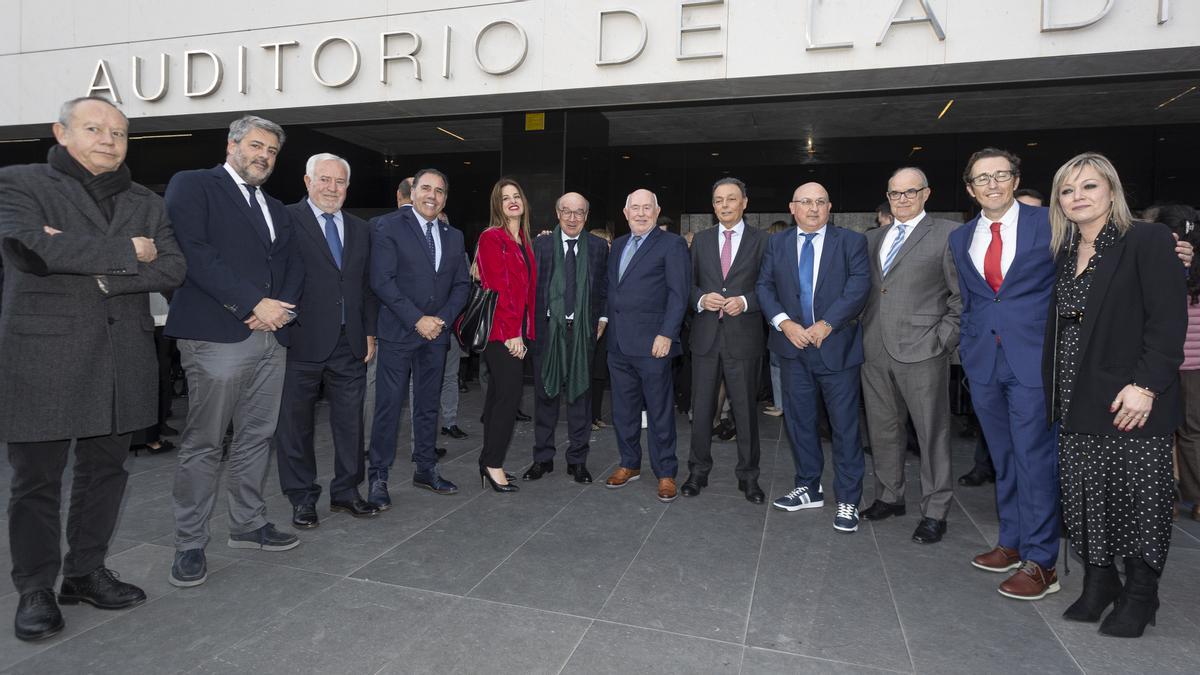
(499, 218)
(1062, 229)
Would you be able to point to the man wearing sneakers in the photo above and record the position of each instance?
(813, 285)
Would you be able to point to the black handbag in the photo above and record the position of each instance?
(474, 325)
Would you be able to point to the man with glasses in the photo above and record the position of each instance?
(569, 309)
(910, 327)
(813, 285)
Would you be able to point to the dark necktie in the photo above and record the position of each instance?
(429, 243)
(806, 278)
(332, 238)
(256, 214)
(569, 273)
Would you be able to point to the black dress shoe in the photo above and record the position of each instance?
(881, 509)
(538, 469)
(754, 493)
(357, 507)
(975, 478)
(693, 485)
(454, 432)
(522, 417)
(440, 452)
(579, 472)
(38, 616)
(100, 588)
(165, 429)
(304, 516)
(929, 531)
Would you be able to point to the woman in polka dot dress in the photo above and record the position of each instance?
(1113, 349)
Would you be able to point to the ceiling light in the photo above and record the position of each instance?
(22, 140)
(944, 110)
(1171, 100)
(450, 133)
(142, 138)
(466, 162)
(715, 154)
(624, 156)
(1031, 144)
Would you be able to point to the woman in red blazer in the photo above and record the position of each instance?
(506, 265)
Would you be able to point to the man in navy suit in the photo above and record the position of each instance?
(332, 343)
(649, 280)
(244, 278)
(572, 264)
(813, 285)
(419, 274)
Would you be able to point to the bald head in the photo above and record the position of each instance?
(572, 210)
(641, 210)
(810, 206)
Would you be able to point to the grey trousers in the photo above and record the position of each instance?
(892, 391)
(242, 382)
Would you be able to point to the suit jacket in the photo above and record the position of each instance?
(331, 293)
(1014, 317)
(1133, 328)
(652, 297)
(406, 283)
(597, 262)
(744, 332)
(513, 275)
(912, 313)
(843, 282)
(76, 361)
(230, 266)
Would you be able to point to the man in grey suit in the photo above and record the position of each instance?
(910, 327)
(727, 336)
(83, 246)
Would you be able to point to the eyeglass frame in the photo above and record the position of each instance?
(911, 193)
(819, 202)
(989, 177)
(581, 214)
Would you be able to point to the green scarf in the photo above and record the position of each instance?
(561, 361)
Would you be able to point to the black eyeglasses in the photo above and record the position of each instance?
(985, 178)
(911, 193)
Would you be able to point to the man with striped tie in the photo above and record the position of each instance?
(910, 328)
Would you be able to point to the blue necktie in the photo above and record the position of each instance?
(627, 255)
(257, 216)
(891, 256)
(429, 243)
(332, 238)
(806, 278)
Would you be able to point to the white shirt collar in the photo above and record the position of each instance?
(319, 213)
(1008, 220)
(821, 231)
(236, 178)
(738, 229)
(914, 221)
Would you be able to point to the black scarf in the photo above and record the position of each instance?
(102, 188)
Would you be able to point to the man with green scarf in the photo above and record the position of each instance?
(571, 294)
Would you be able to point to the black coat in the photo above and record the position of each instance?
(1133, 328)
(744, 332)
(543, 253)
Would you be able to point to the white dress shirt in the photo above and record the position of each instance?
(893, 232)
(738, 230)
(982, 237)
(437, 238)
(818, 244)
(337, 220)
(258, 194)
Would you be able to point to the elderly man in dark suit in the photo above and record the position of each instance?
(419, 274)
(245, 277)
(572, 287)
(649, 281)
(910, 327)
(332, 344)
(813, 285)
(83, 246)
(726, 336)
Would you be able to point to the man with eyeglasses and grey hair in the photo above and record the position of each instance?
(230, 317)
(910, 329)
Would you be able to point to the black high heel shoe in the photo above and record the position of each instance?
(485, 479)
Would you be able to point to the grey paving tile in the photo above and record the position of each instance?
(573, 563)
(695, 574)
(613, 648)
(767, 662)
(475, 636)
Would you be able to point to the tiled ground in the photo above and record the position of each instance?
(567, 578)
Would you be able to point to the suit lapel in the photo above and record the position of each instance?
(964, 254)
(231, 190)
(1103, 276)
(1026, 239)
(124, 206)
(419, 232)
(744, 250)
(313, 228)
(832, 248)
(78, 198)
(915, 234)
(648, 241)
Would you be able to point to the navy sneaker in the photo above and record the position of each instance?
(189, 569)
(846, 519)
(378, 496)
(432, 480)
(800, 498)
(265, 538)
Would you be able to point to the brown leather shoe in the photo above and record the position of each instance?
(666, 490)
(621, 477)
(1031, 582)
(999, 559)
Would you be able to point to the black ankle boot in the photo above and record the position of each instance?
(1101, 586)
(1138, 602)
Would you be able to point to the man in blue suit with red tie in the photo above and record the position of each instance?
(649, 281)
(813, 285)
(419, 274)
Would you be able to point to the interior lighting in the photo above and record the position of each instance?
(946, 109)
(450, 133)
(1176, 97)
(152, 136)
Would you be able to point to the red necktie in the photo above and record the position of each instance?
(991, 260)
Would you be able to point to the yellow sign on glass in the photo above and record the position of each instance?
(535, 121)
